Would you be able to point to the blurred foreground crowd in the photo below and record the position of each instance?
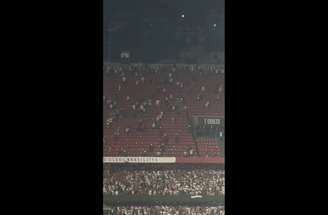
(166, 182)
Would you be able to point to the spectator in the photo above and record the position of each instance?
(173, 120)
(157, 102)
(207, 104)
(127, 131)
(199, 97)
(173, 108)
(220, 89)
(192, 182)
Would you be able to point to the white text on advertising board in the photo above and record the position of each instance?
(139, 159)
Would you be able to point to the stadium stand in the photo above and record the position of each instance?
(148, 109)
(168, 182)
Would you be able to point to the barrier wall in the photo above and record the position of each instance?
(168, 160)
(125, 199)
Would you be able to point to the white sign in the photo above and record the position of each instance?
(212, 121)
(139, 159)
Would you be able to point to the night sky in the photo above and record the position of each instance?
(148, 28)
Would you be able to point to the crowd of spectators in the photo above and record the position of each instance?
(170, 73)
(144, 75)
(165, 210)
(163, 100)
(166, 182)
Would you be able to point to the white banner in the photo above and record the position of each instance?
(139, 159)
(212, 121)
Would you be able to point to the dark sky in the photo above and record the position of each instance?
(131, 8)
(159, 20)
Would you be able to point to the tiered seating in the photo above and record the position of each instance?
(136, 142)
(147, 142)
(208, 146)
(211, 82)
